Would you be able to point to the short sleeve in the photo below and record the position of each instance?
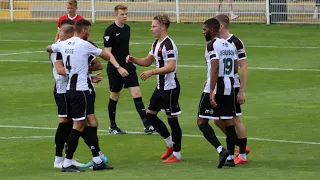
(55, 47)
(240, 50)
(211, 51)
(108, 38)
(91, 58)
(58, 57)
(92, 49)
(170, 51)
(153, 47)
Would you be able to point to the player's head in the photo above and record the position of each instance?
(66, 32)
(211, 29)
(224, 21)
(121, 12)
(72, 6)
(83, 29)
(67, 22)
(160, 25)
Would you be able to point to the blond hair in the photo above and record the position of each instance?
(163, 19)
(120, 6)
(223, 19)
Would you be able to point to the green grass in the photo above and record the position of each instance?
(281, 105)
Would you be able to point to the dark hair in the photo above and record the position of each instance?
(67, 21)
(81, 24)
(213, 23)
(223, 19)
(163, 19)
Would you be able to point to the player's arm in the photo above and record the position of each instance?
(214, 63)
(241, 98)
(96, 78)
(170, 67)
(95, 65)
(170, 56)
(49, 49)
(60, 68)
(146, 62)
(213, 79)
(214, 73)
(107, 55)
(53, 48)
(59, 65)
(244, 70)
(243, 74)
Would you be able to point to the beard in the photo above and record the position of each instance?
(208, 37)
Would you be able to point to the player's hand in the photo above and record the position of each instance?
(145, 75)
(96, 78)
(204, 84)
(212, 99)
(129, 59)
(123, 72)
(241, 97)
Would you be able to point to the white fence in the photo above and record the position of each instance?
(249, 11)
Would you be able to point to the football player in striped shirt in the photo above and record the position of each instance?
(239, 85)
(60, 88)
(75, 53)
(217, 98)
(166, 94)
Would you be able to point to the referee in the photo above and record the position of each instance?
(116, 43)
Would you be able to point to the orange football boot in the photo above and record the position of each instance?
(171, 159)
(239, 160)
(168, 152)
(247, 151)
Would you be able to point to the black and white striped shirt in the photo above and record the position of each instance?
(163, 52)
(241, 55)
(75, 53)
(226, 53)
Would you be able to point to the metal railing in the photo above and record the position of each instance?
(249, 11)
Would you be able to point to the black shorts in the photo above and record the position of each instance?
(167, 100)
(78, 104)
(224, 109)
(237, 106)
(61, 102)
(91, 101)
(117, 82)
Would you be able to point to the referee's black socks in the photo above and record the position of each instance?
(112, 107)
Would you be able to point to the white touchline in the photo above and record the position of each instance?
(184, 65)
(134, 132)
(15, 53)
(178, 44)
